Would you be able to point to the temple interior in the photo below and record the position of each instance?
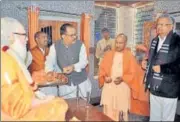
(134, 22)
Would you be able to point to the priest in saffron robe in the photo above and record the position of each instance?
(20, 100)
(39, 53)
(121, 80)
(37, 67)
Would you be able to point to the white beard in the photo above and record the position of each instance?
(19, 49)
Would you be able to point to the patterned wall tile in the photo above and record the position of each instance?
(170, 5)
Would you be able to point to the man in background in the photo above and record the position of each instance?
(104, 45)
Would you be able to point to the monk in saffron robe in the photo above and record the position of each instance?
(18, 99)
(121, 80)
(37, 67)
(39, 53)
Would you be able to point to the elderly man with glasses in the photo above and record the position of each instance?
(20, 100)
(162, 71)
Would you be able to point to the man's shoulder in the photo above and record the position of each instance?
(128, 52)
(109, 53)
(79, 43)
(100, 41)
(35, 49)
(57, 42)
(6, 57)
(3, 54)
(177, 37)
(155, 38)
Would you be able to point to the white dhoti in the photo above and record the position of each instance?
(67, 92)
(116, 98)
(162, 109)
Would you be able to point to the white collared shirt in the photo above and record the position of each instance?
(51, 60)
(161, 41)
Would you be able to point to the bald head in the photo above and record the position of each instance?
(12, 30)
(121, 40)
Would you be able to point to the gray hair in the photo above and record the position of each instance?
(171, 19)
(8, 26)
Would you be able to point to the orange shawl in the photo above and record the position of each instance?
(132, 75)
(38, 62)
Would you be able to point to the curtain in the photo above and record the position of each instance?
(85, 34)
(33, 19)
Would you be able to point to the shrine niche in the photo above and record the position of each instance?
(149, 32)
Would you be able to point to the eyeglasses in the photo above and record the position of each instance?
(21, 34)
(72, 35)
(162, 25)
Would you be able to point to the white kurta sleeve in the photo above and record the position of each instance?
(51, 61)
(83, 61)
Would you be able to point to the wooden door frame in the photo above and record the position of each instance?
(63, 18)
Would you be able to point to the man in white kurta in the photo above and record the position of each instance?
(68, 33)
(105, 44)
